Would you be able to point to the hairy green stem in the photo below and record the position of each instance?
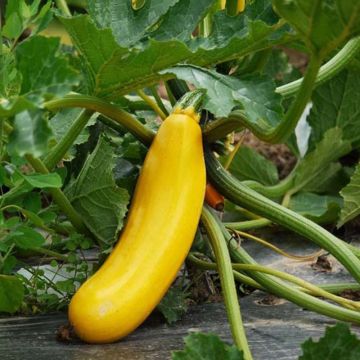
(243, 196)
(223, 261)
(237, 119)
(281, 289)
(153, 104)
(302, 284)
(114, 112)
(274, 191)
(50, 253)
(231, 7)
(248, 224)
(158, 100)
(62, 5)
(244, 279)
(170, 94)
(77, 3)
(328, 70)
(59, 150)
(59, 197)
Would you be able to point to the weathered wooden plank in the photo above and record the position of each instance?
(274, 332)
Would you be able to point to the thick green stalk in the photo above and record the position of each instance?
(328, 70)
(153, 104)
(62, 5)
(223, 261)
(59, 197)
(59, 150)
(274, 191)
(243, 196)
(303, 95)
(244, 279)
(248, 224)
(232, 7)
(51, 253)
(238, 119)
(112, 111)
(280, 288)
(302, 284)
(158, 100)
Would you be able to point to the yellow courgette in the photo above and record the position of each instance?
(160, 228)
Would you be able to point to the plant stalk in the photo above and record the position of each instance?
(243, 196)
(114, 112)
(59, 197)
(60, 149)
(227, 282)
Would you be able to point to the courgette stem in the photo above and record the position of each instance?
(133, 125)
(303, 285)
(248, 224)
(281, 289)
(244, 279)
(328, 70)
(158, 100)
(237, 119)
(243, 196)
(277, 249)
(59, 150)
(273, 191)
(153, 104)
(59, 197)
(223, 260)
(50, 253)
(63, 7)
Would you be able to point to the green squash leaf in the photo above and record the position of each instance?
(31, 134)
(337, 104)
(351, 196)
(11, 293)
(174, 305)
(127, 24)
(248, 164)
(200, 346)
(317, 166)
(123, 69)
(254, 95)
(96, 197)
(322, 209)
(338, 343)
(323, 24)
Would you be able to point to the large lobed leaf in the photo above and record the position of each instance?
(351, 195)
(11, 293)
(323, 24)
(247, 164)
(255, 95)
(60, 124)
(31, 134)
(337, 104)
(323, 209)
(123, 69)
(44, 73)
(318, 166)
(187, 13)
(338, 343)
(96, 197)
(200, 346)
(128, 24)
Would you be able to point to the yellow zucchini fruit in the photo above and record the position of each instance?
(160, 228)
